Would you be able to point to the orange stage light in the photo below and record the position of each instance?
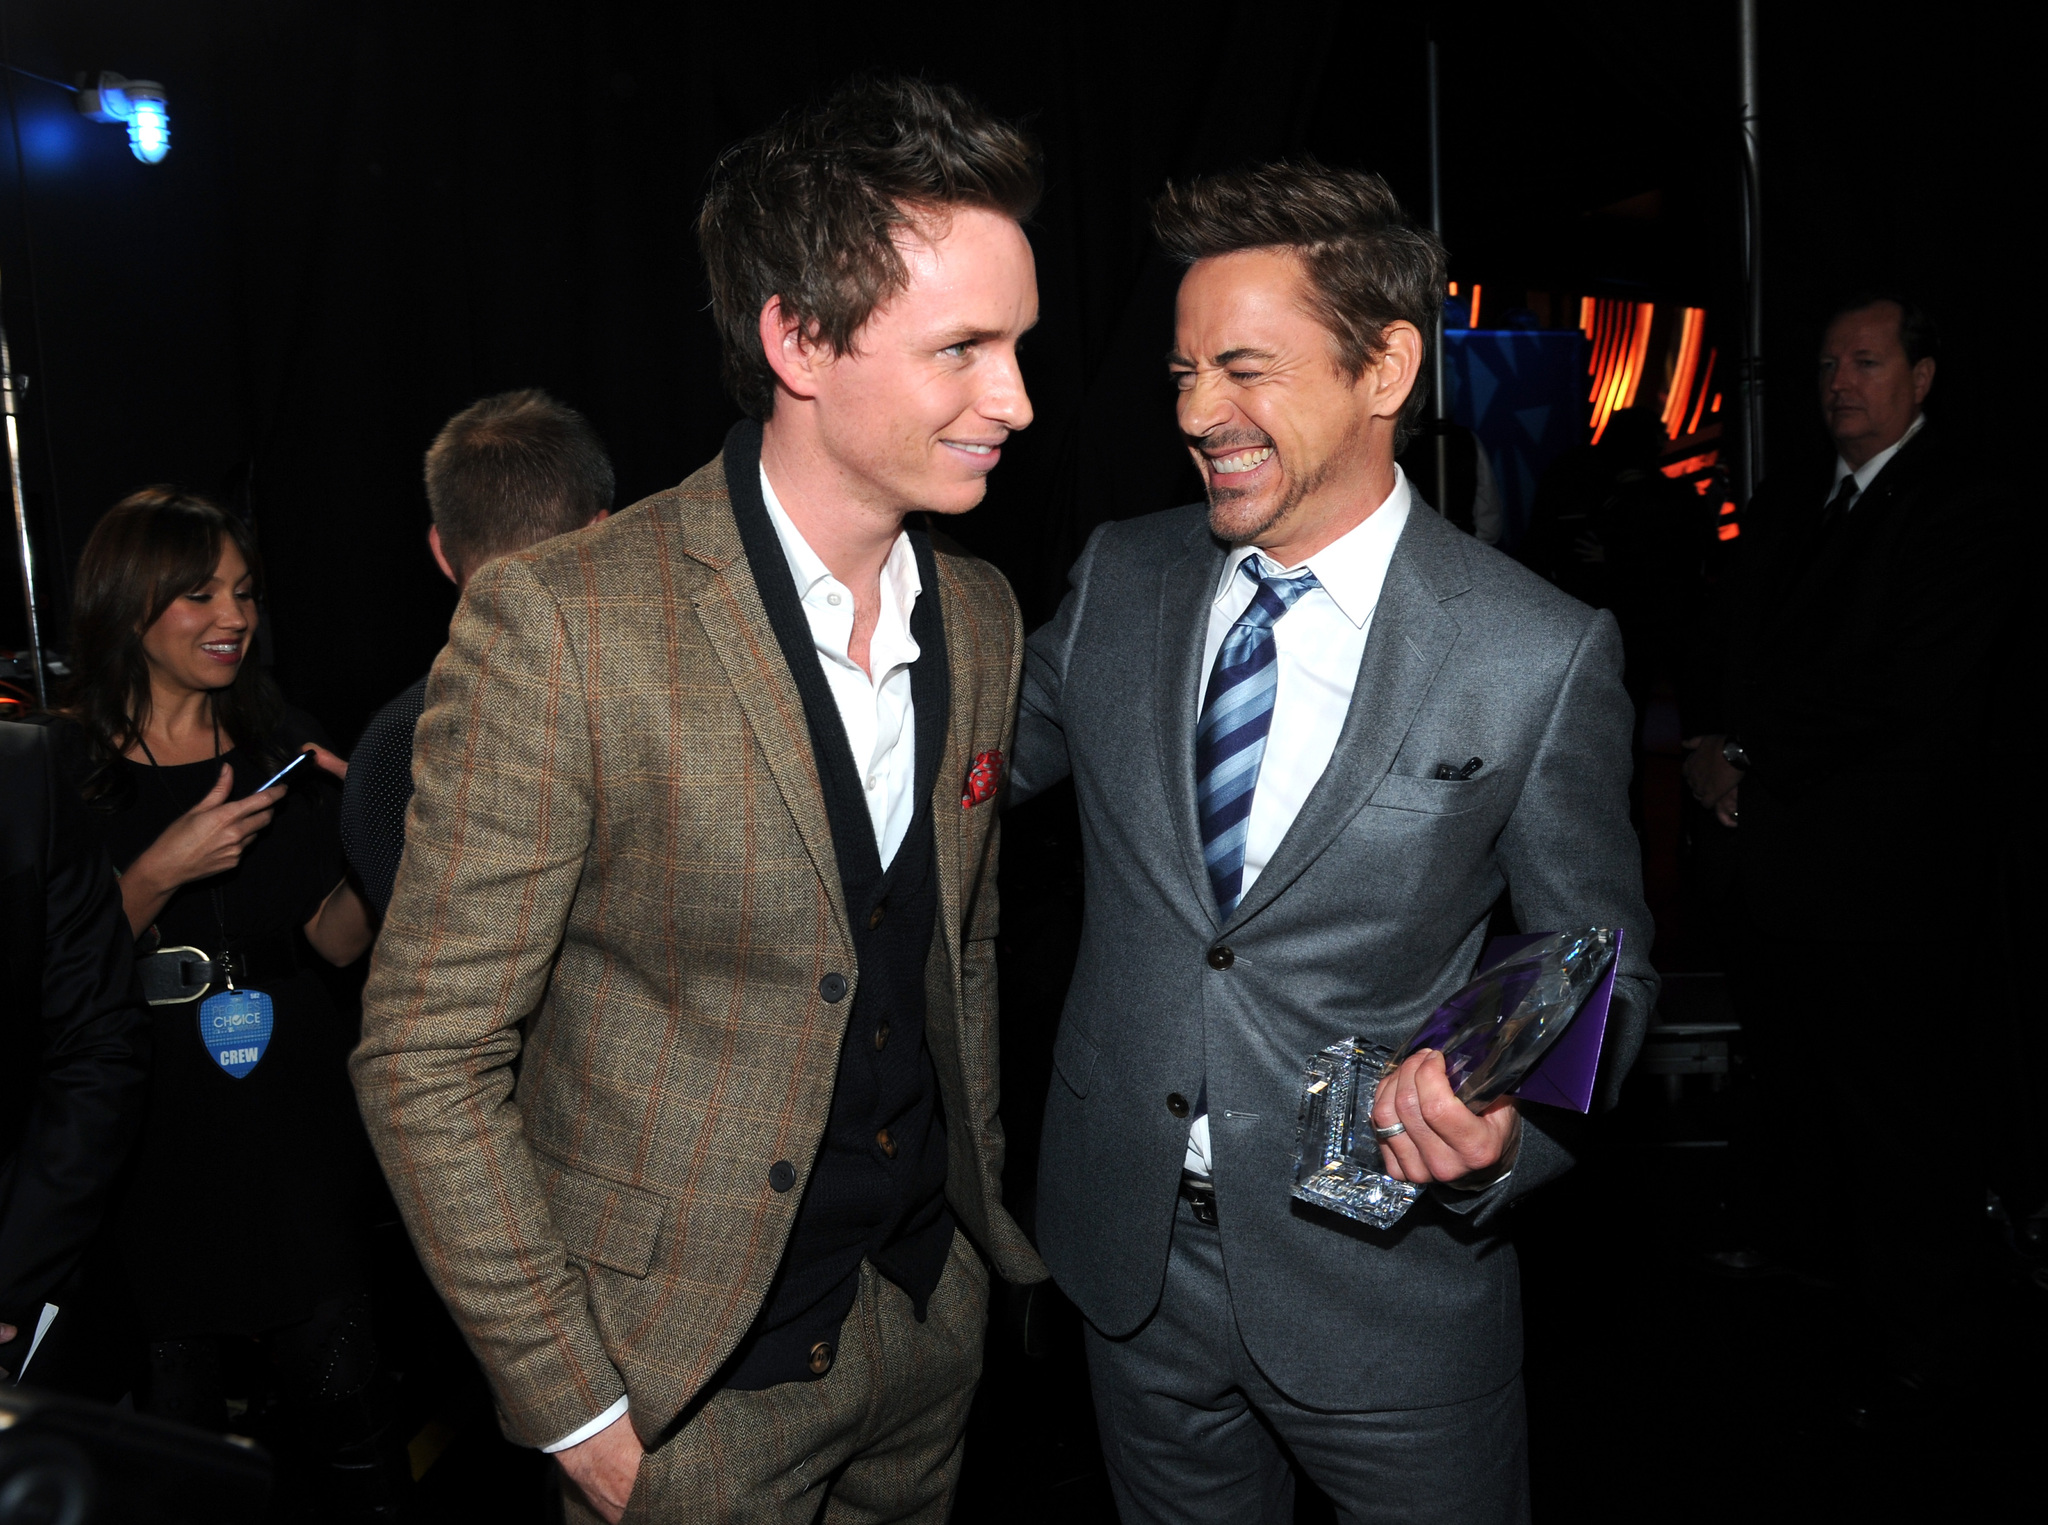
(1475, 304)
(1728, 532)
(1706, 381)
(1727, 509)
(1454, 288)
(1716, 408)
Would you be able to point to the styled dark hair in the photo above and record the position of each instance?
(1916, 329)
(1367, 264)
(511, 471)
(810, 211)
(150, 549)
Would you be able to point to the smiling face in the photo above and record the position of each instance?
(1292, 450)
(200, 640)
(914, 416)
(1869, 391)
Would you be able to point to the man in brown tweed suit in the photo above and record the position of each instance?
(680, 1041)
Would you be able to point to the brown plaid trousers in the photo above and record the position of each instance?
(593, 1018)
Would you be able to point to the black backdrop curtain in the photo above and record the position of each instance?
(374, 213)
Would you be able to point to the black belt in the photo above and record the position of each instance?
(176, 975)
(1199, 1192)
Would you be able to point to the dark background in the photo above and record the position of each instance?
(374, 213)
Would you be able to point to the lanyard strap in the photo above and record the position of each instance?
(220, 913)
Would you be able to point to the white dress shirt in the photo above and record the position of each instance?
(1867, 472)
(881, 724)
(1319, 644)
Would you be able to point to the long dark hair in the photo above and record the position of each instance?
(153, 547)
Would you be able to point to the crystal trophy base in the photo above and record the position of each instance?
(1328, 1174)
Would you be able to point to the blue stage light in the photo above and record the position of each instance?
(138, 102)
(149, 131)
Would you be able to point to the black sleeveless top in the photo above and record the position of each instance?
(244, 1203)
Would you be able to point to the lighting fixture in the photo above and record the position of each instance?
(138, 102)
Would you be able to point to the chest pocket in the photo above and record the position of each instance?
(1437, 796)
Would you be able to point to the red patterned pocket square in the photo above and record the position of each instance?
(983, 779)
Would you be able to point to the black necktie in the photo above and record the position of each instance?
(1838, 506)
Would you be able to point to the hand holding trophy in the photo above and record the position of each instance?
(1492, 1035)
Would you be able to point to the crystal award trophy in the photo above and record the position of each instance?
(1493, 1034)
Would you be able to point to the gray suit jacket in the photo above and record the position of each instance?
(1372, 911)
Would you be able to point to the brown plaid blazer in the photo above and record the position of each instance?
(618, 828)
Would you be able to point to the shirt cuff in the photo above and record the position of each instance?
(577, 1437)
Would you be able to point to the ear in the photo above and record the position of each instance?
(599, 517)
(441, 556)
(1393, 375)
(1923, 379)
(795, 356)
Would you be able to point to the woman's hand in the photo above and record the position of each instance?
(208, 839)
(342, 930)
(326, 761)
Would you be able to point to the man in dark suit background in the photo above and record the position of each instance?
(1858, 683)
(74, 1037)
(1315, 733)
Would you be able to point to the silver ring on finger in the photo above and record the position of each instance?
(1394, 1131)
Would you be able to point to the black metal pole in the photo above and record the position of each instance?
(21, 539)
(1439, 411)
(1752, 230)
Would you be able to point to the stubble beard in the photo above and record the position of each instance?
(1234, 517)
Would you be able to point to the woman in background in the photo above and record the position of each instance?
(242, 1220)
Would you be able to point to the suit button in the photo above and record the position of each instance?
(1221, 957)
(1177, 1104)
(885, 1143)
(782, 1175)
(882, 1035)
(833, 987)
(821, 1358)
(874, 918)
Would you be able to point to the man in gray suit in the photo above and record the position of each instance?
(1315, 733)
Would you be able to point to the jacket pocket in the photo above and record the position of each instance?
(1434, 796)
(605, 1222)
(1075, 1055)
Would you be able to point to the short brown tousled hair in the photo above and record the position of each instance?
(147, 551)
(511, 471)
(1368, 265)
(811, 209)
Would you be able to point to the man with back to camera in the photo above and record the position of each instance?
(708, 789)
(1259, 701)
(505, 473)
(1862, 660)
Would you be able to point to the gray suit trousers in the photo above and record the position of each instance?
(1194, 1434)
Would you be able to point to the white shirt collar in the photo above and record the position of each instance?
(900, 582)
(1867, 472)
(1353, 567)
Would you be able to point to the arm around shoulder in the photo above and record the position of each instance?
(1041, 758)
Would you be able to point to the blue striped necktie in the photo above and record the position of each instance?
(1230, 738)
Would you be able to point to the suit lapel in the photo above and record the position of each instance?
(949, 820)
(1187, 588)
(1410, 638)
(729, 606)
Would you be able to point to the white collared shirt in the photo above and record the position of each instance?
(1319, 644)
(1867, 472)
(880, 721)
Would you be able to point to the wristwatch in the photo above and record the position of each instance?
(1737, 758)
